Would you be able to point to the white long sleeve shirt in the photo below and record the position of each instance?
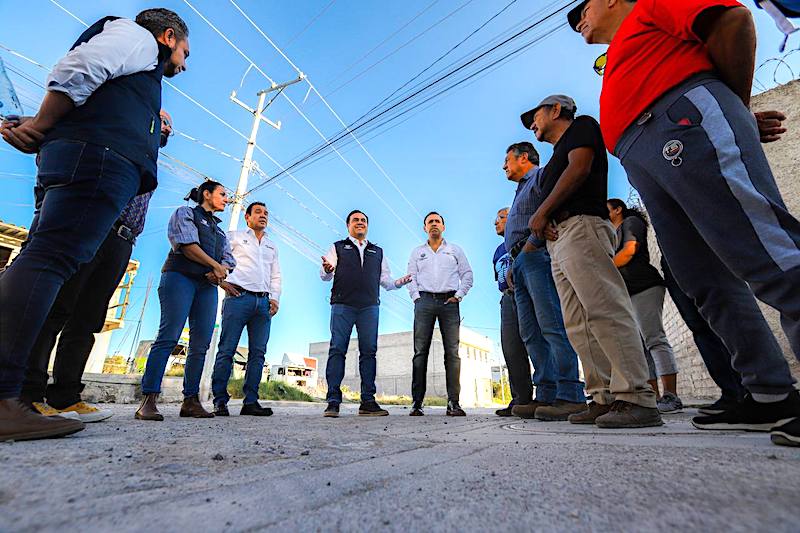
(444, 270)
(121, 49)
(387, 282)
(257, 267)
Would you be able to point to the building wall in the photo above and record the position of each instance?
(693, 379)
(394, 364)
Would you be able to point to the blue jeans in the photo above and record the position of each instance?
(81, 189)
(343, 318)
(181, 297)
(541, 326)
(251, 311)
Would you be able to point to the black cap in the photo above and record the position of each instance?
(575, 14)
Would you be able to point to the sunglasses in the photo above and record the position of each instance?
(600, 64)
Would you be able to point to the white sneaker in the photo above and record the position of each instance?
(86, 413)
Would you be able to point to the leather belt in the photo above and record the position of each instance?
(254, 293)
(124, 232)
(438, 295)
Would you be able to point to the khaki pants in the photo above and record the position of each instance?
(598, 313)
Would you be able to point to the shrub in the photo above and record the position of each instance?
(271, 390)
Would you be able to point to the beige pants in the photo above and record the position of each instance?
(598, 313)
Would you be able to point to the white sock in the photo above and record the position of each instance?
(769, 398)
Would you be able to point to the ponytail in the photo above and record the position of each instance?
(196, 194)
(629, 211)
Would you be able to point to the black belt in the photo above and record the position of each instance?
(124, 232)
(254, 293)
(437, 295)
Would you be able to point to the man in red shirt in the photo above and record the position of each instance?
(675, 110)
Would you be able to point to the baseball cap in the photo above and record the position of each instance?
(575, 14)
(565, 101)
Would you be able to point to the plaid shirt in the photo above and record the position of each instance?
(526, 201)
(135, 212)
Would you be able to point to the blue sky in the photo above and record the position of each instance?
(447, 157)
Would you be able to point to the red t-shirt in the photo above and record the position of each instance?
(654, 50)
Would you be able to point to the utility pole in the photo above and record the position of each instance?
(247, 163)
(238, 199)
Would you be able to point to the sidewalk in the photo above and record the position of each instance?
(298, 471)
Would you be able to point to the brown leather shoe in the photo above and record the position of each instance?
(18, 422)
(148, 409)
(527, 410)
(560, 410)
(629, 415)
(192, 408)
(590, 414)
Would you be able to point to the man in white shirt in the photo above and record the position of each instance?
(358, 269)
(440, 278)
(253, 291)
(97, 136)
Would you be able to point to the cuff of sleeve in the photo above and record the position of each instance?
(77, 99)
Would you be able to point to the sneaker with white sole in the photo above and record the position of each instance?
(787, 434)
(45, 409)
(751, 415)
(669, 403)
(86, 413)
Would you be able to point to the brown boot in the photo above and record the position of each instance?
(192, 408)
(18, 422)
(589, 415)
(527, 410)
(148, 409)
(629, 415)
(560, 410)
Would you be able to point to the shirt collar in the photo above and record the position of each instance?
(355, 241)
(443, 245)
(528, 175)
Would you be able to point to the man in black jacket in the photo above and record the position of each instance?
(97, 135)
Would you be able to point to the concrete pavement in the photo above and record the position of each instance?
(297, 471)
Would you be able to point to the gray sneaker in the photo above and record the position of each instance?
(669, 403)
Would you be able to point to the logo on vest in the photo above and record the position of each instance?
(348, 247)
(372, 251)
(204, 222)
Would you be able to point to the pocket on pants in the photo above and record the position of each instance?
(58, 162)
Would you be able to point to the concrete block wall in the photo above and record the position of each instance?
(784, 158)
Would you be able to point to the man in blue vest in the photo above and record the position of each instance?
(358, 269)
(97, 135)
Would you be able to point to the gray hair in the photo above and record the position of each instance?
(158, 20)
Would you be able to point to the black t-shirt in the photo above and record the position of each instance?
(639, 274)
(590, 198)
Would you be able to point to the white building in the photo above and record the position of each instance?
(395, 354)
(297, 370)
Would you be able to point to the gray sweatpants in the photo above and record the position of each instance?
(697, 163)
(648, 307)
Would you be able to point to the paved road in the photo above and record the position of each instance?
(297, 471)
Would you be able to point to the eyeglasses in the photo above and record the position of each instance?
(600, 64)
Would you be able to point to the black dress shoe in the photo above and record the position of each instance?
(332, 411)
(416, 409)
(453, 409)
(221, 409)
(505, 411)
(371, 409)
(255, 409)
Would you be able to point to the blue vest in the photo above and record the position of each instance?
(122, 114)
(212, 241)
(354, 284)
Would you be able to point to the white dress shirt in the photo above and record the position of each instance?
(122, 48)
(387, 282)
(444, 270)
(257, 268)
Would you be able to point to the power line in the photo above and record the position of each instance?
(310, 123)
(333, 112)
(310, 23)
(360, 123)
